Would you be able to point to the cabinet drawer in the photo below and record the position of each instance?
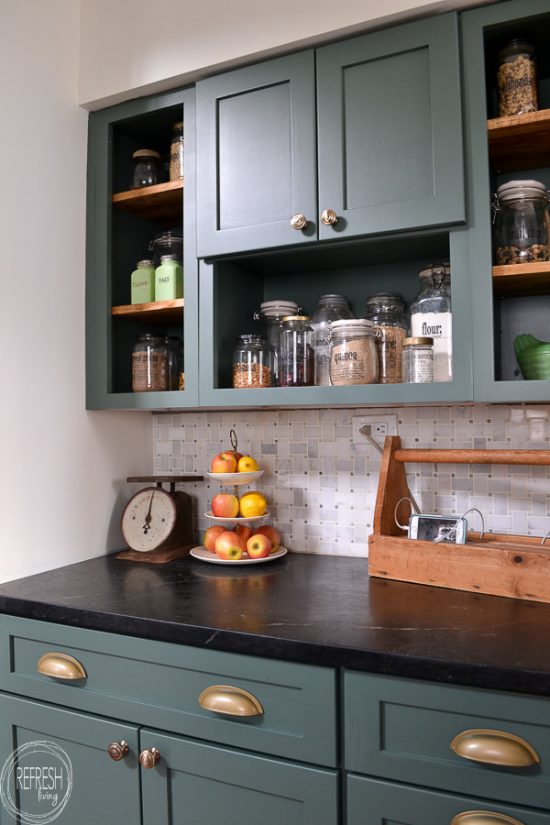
(403, 730)
(159, 684)
(381, 803)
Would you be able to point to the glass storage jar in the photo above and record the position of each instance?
(174, 354)
(431, 317)
(147, 168)
(296, 357)
(142, 283)
(168, 279)
(330, 308)
(353, 358)
(387, 311)
(271, 314)
(418, 360)
(149, 364)
(176, 152)
(521, 222)
(168, 242)
(517, 79)
(252, 362)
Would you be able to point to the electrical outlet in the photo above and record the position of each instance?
(379, 427)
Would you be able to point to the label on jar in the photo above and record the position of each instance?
(353, 362)
(439, 326)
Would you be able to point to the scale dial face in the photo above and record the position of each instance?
(148, 519)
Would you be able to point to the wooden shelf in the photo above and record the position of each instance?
(522, 279)
(520, 142)
(162, 202)
(163, 311)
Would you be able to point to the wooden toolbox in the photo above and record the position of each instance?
(497, 564)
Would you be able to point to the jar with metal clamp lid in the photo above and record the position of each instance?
(353, 358)
(521, 222)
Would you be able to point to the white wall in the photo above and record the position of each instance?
(62, 470)
(132, 47)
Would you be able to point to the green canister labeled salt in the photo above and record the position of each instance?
(168, 279)
(142, 283)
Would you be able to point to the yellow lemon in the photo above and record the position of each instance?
(252, 504)
(247, 464)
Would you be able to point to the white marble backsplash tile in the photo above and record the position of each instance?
(321, 486)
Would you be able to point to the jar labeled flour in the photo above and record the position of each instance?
(353, 357)
(431, 317)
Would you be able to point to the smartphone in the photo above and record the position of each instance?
(439, 529)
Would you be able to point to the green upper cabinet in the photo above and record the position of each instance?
(121, 223)
(388, 138)
(256, 156)
(390, 130)
(510, 299)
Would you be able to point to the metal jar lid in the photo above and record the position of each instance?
(516, 189)
(435, 269)
(146, 153)
(418, 342)
(296, 318)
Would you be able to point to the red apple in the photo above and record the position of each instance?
(244, 531)
(229, 546)
(273, 535)
(258, 546)
(224, 463)
(237, 455)
(210, 536)
(225, 505)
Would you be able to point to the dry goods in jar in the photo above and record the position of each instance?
(517, 79)
(353, 358)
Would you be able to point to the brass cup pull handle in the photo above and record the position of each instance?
(118, 750)
(298, 221)
(329, 217)
(60, 666)
(484, 818)
(149, 758)
(230, 701)
(494, 747)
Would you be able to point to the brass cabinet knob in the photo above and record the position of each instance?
(298, 221)
(230, 701)
(118, 750)
(60, 666)
(484, 818)
(494, 747)
(149, 758)
(329, 217)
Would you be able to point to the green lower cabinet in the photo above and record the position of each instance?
(372, 802)
(55, 764)
(201, 784)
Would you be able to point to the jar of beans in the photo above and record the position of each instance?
(296, 353)
(521, 222)
(149, 364)
(517, 79)
(387, 312)
(353, 358)
(252, 362)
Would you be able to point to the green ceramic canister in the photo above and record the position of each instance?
(142, 282)
(168, 279)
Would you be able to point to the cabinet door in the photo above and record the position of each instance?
(81, 783)
(256, 156)
(198, 783)
(390, 130)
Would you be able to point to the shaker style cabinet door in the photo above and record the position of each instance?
(256, 157)
(390, 130)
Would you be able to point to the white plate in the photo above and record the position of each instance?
(237, 519)
(236, 478)
(206, 555)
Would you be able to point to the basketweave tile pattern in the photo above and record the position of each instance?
(321, 486)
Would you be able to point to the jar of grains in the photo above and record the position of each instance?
(387, 311)
(431, 316)
(174, 352)
(296, 356)
(521, 222)
(517, 79)
(252, 362)
(418, 360)
(330, 308)
(353, 358)
(147, 168)
(176, 152)
(149, 364)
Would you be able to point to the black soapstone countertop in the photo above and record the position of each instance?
(322, 610)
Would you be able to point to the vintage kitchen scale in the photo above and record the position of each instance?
(156, 524)
(498, 564)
